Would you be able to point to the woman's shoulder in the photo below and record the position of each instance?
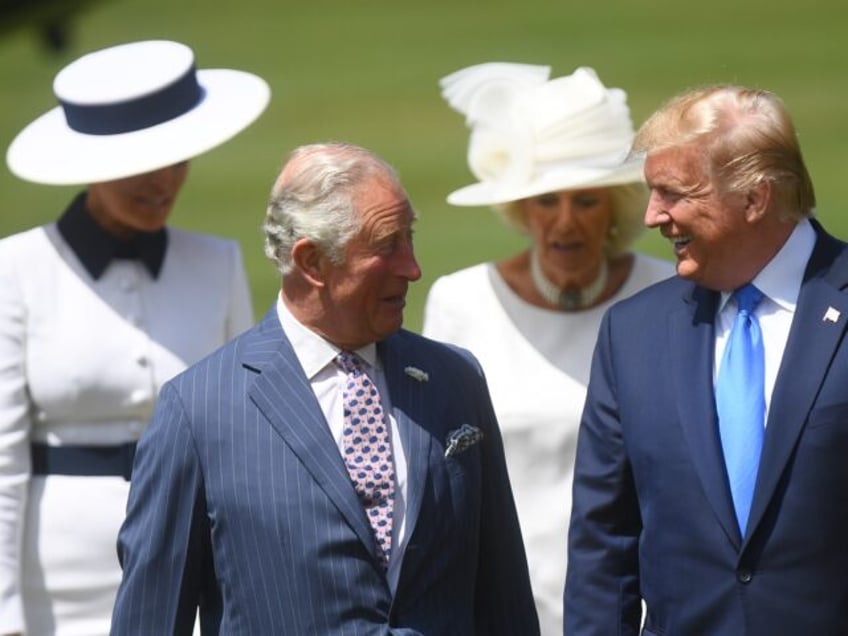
(461, 281)
(648, 269)
(30, 235)
(645, 273)
(207, 250)
(189, 239)
(25, 244)
(453, 300)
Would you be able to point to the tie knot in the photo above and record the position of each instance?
(747, 298)
(349, 362)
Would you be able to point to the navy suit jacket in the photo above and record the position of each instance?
(241, 505)
(652, 515)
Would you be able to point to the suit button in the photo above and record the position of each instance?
(744, 576)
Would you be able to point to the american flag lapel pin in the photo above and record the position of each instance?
(831, 315)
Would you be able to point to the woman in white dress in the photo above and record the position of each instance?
(552, 157)
(99, 309)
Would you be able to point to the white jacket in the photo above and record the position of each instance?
(81, 362)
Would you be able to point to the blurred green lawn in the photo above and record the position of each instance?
(367, 72)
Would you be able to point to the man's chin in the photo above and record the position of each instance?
(687, 269)
(390, 325)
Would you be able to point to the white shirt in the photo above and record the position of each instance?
(317, 357)
(780, 283)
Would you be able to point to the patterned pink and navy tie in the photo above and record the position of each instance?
(367, 450)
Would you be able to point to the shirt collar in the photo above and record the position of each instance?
(314, 352)
(780, 280)
(95, 247)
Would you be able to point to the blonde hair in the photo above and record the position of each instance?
(628, 210)
(746, 137)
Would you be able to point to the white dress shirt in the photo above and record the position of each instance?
(780, 283)
(317, 357)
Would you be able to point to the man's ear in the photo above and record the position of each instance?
(310, 261)
(757, 201)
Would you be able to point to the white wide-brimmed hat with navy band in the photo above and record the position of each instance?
(133, 108)
(531, 135)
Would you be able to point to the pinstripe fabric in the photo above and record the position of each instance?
(242, 504)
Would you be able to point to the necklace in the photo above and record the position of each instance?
(567, 299)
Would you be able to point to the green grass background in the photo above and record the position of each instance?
(366, 71)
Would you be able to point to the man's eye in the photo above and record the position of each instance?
(669, 195)
(387, 245)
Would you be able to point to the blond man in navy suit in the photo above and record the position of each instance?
(713, 536)
(242, 504)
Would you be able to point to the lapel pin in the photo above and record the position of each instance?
(417, 374)
(831, 315)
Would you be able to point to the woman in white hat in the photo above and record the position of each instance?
(98, 309)
(552, 157)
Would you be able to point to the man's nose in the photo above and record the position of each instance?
(655, 213)
(408, 264)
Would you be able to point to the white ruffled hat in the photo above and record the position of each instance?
(531, 135)
(133, 108)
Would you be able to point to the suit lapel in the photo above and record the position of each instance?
(813, 339)
(692, 348)
(283, 394)
(408, 399)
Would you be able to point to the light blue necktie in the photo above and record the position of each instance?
(740, 401)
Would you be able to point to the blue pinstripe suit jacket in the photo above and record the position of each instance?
(241, 505)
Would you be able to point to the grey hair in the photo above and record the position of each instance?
(628, 201)
(314, 198)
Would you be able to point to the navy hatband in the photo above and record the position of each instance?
(170, 102)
